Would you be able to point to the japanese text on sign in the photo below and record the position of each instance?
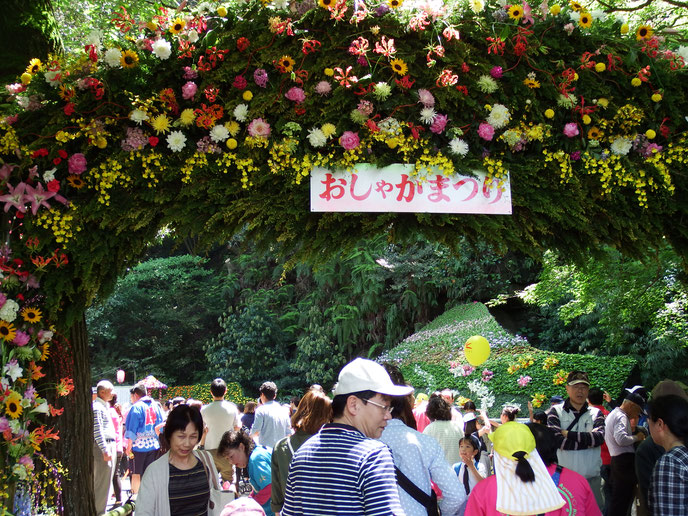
(395, 189)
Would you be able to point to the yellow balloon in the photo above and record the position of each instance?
(477, 350)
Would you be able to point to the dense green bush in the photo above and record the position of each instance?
(201, 391)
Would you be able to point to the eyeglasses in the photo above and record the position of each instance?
(386, 408)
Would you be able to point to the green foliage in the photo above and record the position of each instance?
(157, 320)
(201, 391)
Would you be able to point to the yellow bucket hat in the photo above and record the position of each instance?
(512, 437)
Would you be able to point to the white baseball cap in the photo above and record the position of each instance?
(365, 375)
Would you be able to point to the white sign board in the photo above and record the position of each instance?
(395, 189)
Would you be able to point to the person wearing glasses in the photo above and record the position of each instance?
(344, 469)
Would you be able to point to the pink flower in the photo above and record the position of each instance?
(295, 94)
(240, 82)
(189, 90)
(496, 72)
(349, 140)
(77, 164)
(26, 461)
(190, 73)
(439, 123)
(260, 76)
(365, 107)
(21, 339)
(571, 129)
(259, 128)
(323, 88)
(569, 27)
(524, 380)
(486, 131)
(426, 98)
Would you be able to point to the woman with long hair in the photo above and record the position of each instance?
(239, 449)
(312, 412)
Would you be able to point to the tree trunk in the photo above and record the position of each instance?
(74, 448)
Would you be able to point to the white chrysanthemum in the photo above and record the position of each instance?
(621, 146)
(192, 36)
(219, 133)
(458, 147)
(138, 116)
(316, 137)
(94, 38)
(112, 57)
(499, 116)
(682, 51)
(574, 16)
(511, 137)
(281, 4)
(390, 126)
(204, 7)
(241, 112)
(477, 6)
(357, 117)
(487, 84)
(599, 15)
(427, 115)
(176, 141)
(382, 90)
(567, 101)
(162, 48)
(8, 312)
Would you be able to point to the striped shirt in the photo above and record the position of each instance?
(189, 491)
(339, 471)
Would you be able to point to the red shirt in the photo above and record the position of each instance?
(604, 451)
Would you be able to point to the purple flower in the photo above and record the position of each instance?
(382, 10)
(323, 88)
(651, 149)
(575, 155)
(349, 140)
(3, 299)
(30, 393)
(496, 72)
(260, 76)
(571, 129)
(486, 131)
(362, 61)
(21, 339)
(190, 73)
(189, 90)
(4, 424)
(136, 140)
(295, 94)
(240, 82)
(439, 123)
(77, 164)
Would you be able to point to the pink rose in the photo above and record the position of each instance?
(189, 90)
(486, 131)
(571, 129)
(21, 339)
(259, 128)
(77, 164)
(295, 94)
(349, 140)
(439, 123)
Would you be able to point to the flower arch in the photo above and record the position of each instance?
(209, 121)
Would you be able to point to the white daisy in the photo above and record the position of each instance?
(138, 116)
(458, 147)
(112, 57)
(241, 112)
(162, 48)
(621, 146)
(176, 141)
(219, 133)
(477, 6)
(499, 116)
(316, 137)
(427, 115)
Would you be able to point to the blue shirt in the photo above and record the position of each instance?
(260, 472)
(272, 423)
(340, 471)
(142, 419)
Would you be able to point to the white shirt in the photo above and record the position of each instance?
(220, 417)
(272, 423)
(421, 459)
(617, 433)
(448, 434)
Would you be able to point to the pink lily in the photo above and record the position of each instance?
(39, 196)
(15, 198)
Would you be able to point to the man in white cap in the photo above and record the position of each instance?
(344, 469)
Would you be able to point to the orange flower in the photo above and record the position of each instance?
(65, 387)
(41, 435)
(35, 371)
(55, 411)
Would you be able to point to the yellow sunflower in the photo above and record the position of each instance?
(585, 20)
(31, 314)
(13, 406)
(7, 331)
(327, 4)
(76, 181)
(531, 83)
(399, 67)
(516, 12)
(644, 32)
(286, 64)
(161, 124)
(576, 6)
(129, 59)
(594, 133)
(45, 351)
(394, 4)
(66, 92)
(34, 66)
(177, 26)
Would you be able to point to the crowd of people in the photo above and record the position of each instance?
(373, 449)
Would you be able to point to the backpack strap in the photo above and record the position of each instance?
(429, 501)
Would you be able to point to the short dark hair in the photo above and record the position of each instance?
(269, 390)
(139, 390)
(673, 410)
(545, 442)
(540, 416)
(218, 387)
(469, 405)
(596, 396)
(180, 417)
(510, 412)
(438, 409)
(232, 439)
(339, 401)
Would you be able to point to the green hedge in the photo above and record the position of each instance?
(608, 373)
(201, 391)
